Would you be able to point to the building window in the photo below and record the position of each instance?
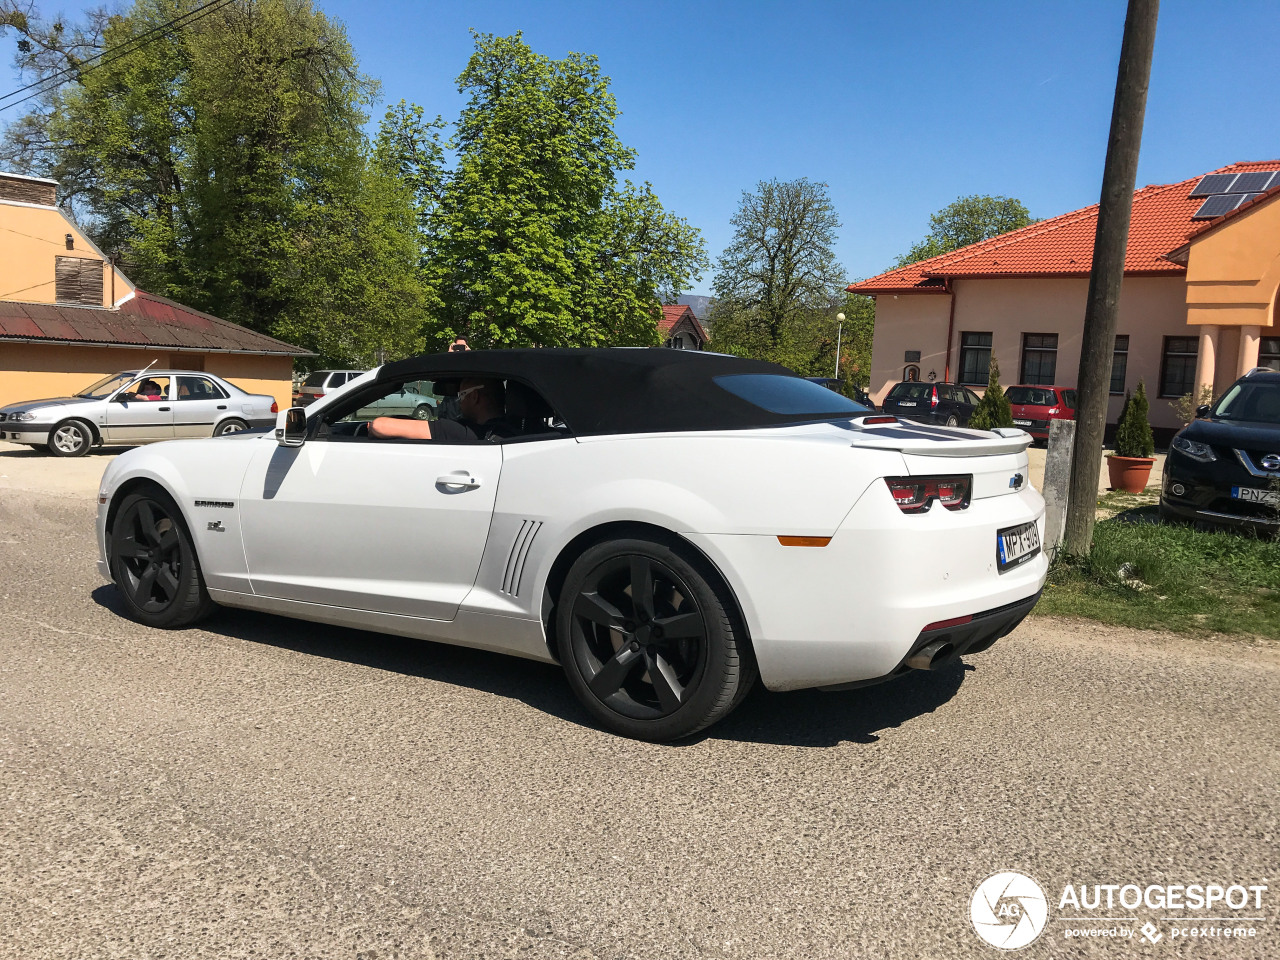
(78, 280)
(1039, 358)
(975, 358)
(1269, 353)
(1120, 363)
(1178, 366)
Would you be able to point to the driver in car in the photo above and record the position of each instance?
(481, 403)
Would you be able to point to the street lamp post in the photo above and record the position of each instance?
(839, 333)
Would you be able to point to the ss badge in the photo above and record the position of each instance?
(217, 525)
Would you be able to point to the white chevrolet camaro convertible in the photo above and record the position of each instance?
(666, 525)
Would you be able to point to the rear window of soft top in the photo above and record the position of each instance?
(790, 396)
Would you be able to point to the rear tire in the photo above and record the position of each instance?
(153, 562)
(232, 425)
(952, 421)
(648, 643)
(70, 438)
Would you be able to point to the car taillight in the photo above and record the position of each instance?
(915, 494)
(275, 407)
(1054, 410)
(933, 400)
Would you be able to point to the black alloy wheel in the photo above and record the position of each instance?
(154, 564)
(647, 642)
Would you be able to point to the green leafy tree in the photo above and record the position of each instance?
(778, 285)
(534, 241)
(224, 164)
(993, 410)
(1133, 432)
(859, 334)
(968, 220)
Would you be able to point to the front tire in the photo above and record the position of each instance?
(647, 641)
(230, 426)
(153, 563)
(71, 438)
(424, 411)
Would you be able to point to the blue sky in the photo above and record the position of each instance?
(899, 107)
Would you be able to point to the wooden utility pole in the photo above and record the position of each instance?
(1098, 346)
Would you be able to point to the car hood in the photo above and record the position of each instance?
(1239, 434)
(50, 402)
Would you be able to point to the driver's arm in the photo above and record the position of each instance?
(392, 428)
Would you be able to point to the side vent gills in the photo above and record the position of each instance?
(514, 572)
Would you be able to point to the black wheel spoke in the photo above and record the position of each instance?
(130, 549)
(146, 583)
(682, 625)
(167, 583)
(147, 522)
(665, 683)
(593, 607)
(613, 674)
(642, 587)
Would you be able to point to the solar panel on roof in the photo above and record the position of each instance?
(1213, 183)
(1246, 197)
(1217, 205)
(1275, 180)
(1250, 182)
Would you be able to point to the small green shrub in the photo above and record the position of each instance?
(993, 409)
(1133, 433)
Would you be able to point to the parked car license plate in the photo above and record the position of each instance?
(1022, 423)
(906, 403)
(1017, 545)
(1255, 495)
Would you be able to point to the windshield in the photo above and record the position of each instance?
(1255, 402)
(1032, 395)
(911, 391)
(108, 386)
(788, 395)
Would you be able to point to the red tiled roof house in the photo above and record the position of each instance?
(679, 328)
(1197, 306)
(68, 317)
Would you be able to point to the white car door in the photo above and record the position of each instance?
(371, 525)
(197, 406)
(139, 414)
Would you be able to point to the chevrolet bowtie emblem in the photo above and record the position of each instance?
(1016, 481)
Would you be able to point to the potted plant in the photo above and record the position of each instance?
(1130, 466)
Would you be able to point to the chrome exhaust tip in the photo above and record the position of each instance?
(926, 656)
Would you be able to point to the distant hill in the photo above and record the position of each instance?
(701, 306)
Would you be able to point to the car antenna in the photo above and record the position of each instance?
(148, 366)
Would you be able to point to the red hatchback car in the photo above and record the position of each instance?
(1034, 407)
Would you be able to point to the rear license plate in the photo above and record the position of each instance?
(1255, 495)
(1022, 423)
(906, 403)
(1016, 545)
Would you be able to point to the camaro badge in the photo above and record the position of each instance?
(1015, 482)
(229, 504)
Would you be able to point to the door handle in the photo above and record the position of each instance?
(163, 409)
(222, 406)
(464, 480)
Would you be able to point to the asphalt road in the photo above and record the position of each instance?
(268, 788)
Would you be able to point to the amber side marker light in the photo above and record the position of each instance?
(804, 541)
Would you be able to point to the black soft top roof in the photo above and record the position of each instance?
(616, 389)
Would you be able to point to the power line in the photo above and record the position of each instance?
(131, 45)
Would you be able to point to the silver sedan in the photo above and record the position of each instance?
(134, 407)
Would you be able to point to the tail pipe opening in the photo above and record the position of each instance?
(930, 654)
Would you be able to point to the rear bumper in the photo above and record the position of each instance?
(854, 610)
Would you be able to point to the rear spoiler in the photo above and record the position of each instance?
(915, 439)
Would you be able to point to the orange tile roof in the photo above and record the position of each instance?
(672, 314)
(1063, 245)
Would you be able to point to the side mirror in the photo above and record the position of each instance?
(121, 397)
(291, 427)
(1202, 411)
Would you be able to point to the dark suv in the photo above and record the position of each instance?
(946, 403)
(1224, 467)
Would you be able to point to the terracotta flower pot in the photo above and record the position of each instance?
(1129, 474)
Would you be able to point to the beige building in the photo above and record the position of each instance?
(1197, 305)
(68, 317)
